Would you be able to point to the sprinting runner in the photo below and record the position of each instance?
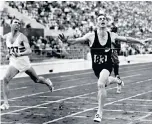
(19, 49)
(100, 44)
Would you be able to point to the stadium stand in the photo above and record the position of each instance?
(78, 16)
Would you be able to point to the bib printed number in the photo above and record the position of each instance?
(99, 59)
(12, 50)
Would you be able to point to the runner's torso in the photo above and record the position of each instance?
(15, 44)
(101, 54)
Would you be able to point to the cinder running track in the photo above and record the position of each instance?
(74, 99)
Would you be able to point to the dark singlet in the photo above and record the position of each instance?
(101, 55)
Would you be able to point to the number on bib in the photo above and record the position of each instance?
(12, 50)
(99, 59)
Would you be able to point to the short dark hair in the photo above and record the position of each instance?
(103, 14)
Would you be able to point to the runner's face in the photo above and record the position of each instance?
(102, 21)
(15, 25)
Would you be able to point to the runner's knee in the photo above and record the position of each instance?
(103, 78)
(39, 79)
(101, 86)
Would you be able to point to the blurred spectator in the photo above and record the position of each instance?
(131, 18)
(48, 50)
(59, 50)
(28, 25)
(136, 17)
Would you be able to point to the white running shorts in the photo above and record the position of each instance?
(21, 63)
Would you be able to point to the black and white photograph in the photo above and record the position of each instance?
(76, 62)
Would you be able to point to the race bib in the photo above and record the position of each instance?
(12, 50)
(100, 59)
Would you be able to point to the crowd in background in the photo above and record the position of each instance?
(50, 46)
(132, 19)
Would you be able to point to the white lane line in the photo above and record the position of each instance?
(88, 73)
(15, 113)
(60, 77)
(74, 79)
(72, 98)
(74, 74)
(74, 86)
(85, 78)
(145, 116)
(96, 107)
(26, 106)
(12, 100)
(15, 123)
(20, 88)
(131, 76)
(39, 114)
(42, 107)
(109, 118)
(65, 88)
(84, 117)
(49, 91)
(141, 119)
(68, 80)
(19, 106)
(68, 102)
(6, 122)
(60, 100)
(145, 100)
(85, 74)
(72, 108)
(110, 98)
(51, 96)
(59, 81)
(147, 120)
(93, 98)
(119, 110)
(48, 103)
(80, 117)
(139, 105)
(131, 122)
(20, 113)
(54, 82)
(29, 123)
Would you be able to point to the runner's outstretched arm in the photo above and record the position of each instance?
(72, 41)
(129, 40)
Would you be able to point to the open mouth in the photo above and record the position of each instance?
(16, 28)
